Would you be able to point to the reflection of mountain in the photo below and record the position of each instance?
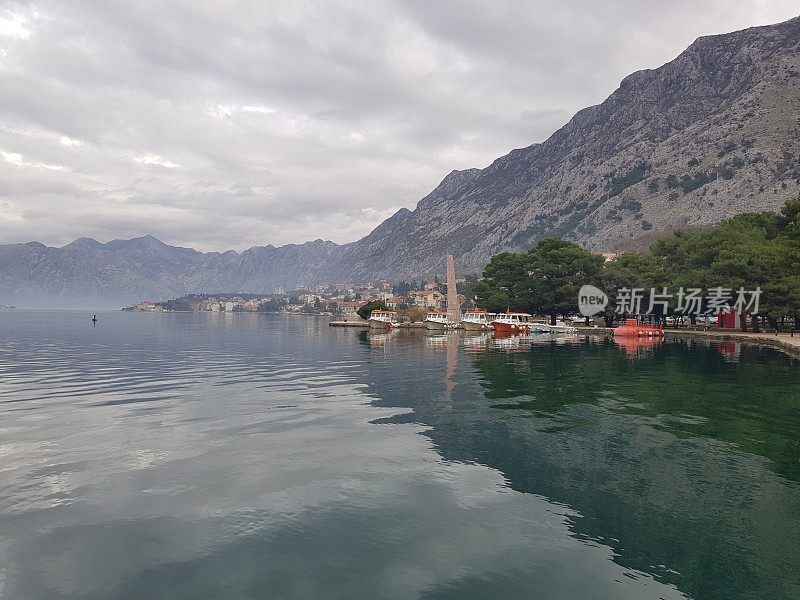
(685, 464)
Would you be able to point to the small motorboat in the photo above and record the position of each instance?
(558, 327)
(561, 327)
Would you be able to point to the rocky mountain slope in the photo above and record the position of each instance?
(713, 133)
(710, 134)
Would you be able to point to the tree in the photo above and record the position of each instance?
(748, 251)
(544, 280)
(366, 310)
(503, 282)
(269, 306)
(413, 313)
(402, 288)
(558, 269)
(631, 270)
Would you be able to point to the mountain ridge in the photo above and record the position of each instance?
(709, 134)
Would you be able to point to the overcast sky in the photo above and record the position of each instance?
(227, 125)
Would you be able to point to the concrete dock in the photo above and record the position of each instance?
(365, 325)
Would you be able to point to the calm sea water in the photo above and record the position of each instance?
(253, 456)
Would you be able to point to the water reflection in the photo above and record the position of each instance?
(686, 464)
(638, 347)
(252, 456)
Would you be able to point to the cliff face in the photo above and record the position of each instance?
(713, 133)
(710, 134)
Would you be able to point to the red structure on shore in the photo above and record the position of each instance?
(729, 319)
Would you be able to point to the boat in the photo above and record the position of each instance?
(512, 322)
(382, 319)
(437, 319)
(558, 327)
(476, 320)
(632, 328)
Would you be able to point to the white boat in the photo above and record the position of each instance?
(476, 320)
(382, 319)
(439, 320)
(559, 327)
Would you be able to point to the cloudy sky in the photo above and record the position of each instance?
(226, 125)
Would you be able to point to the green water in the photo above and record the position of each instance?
(254, 456)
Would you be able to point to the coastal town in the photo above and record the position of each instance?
(410, 300)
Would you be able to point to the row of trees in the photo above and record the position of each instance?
(751, 250)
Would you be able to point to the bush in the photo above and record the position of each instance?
(729, 147)
(632, 177)
(689, 183)
(366, 310)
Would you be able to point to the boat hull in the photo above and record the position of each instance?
(510, 328)
(471, 326)
(435, 325)
(375, 324)
(640, 331)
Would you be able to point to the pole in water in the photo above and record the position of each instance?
(94, 319)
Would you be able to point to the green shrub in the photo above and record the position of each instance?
(632, 177)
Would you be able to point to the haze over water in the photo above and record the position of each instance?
(253, 456)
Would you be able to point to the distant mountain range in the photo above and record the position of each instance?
(710, 134)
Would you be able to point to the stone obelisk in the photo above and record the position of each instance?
(453, 307)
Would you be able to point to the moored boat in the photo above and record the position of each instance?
(476, 320)
(439, 320)
(560, 327)
(632, 328)
(382, 319)
(512, 322)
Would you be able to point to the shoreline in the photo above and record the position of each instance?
(783, 341)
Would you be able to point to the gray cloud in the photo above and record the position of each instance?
(221, 125)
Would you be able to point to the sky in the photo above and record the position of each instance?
(225, 125)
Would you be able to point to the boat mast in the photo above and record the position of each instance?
(453, 308)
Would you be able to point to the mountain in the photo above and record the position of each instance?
(713, 133)
(710, 134)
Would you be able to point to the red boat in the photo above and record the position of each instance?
(512, 322)
(632, 328)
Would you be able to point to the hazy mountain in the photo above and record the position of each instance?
(710, 134)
